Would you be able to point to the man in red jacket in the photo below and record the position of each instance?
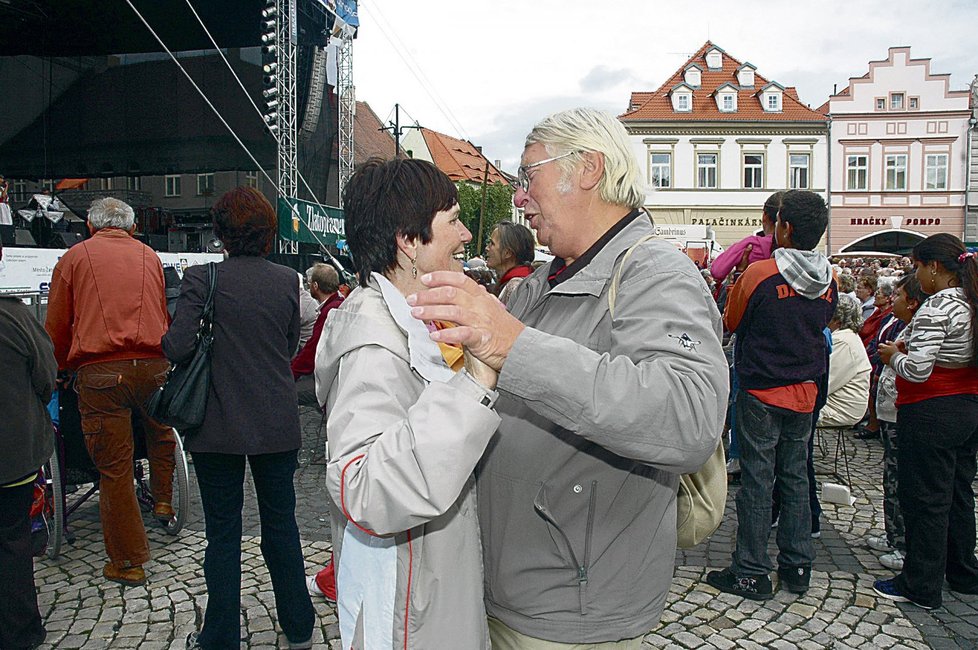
(106, 316)
(324, 284)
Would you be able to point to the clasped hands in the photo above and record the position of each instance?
(485, 329)
(887, 350)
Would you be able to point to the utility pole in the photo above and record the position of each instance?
(397, 130)
(482, 212)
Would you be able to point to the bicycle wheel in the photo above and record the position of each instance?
(181, 488)
(56, 492)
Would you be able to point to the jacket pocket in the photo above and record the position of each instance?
(562, 532)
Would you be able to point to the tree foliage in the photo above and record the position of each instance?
(499, 206)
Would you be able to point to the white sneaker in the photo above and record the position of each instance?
(733, 466)
(893, 561)
(880, 544)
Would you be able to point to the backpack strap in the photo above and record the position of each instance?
(613, 289)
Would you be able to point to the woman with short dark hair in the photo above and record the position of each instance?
(407, 420)
(252, 415)
(510, 254)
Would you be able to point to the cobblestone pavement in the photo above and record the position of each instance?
(840, 610)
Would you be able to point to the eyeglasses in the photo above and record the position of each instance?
(523, 178)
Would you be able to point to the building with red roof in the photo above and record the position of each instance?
(717, 138)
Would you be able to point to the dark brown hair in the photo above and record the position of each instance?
(245, 221)
(386, 198)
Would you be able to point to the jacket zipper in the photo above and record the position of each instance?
(582, 570)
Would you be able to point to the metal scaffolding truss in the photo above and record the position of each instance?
(347, 108)
(288, 162)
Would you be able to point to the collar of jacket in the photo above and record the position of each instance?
(592, 279)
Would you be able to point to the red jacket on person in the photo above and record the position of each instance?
(107, 301)
(304, 363)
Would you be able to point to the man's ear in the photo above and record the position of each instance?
(592, 169)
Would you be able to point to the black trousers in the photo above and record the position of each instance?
(221, 480)
(938, 441)
(20, 620)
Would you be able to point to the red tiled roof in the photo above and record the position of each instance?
(369, 138)
(459, 159)
(657, 106)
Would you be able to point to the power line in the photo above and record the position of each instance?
(415, 69)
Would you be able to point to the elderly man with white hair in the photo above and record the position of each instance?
(602, 407)
(106, 317)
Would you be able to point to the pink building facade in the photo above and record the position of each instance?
(899, 156)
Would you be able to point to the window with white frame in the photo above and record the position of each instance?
(881, 103)
(171, 185)
(660, 169)
(18, 191)
(134, 183)
(935, 171)
(774, 102)
(706, 170)
(727, 102)
(857, 172)
(683, 102)
(798, 166)
(753, 170)
(895, 165)
(251, 179)
(205, 184)
(896, 101)
(913, 103)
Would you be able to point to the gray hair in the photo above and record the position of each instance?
(849, 313)
(886, 284)
(582, 130)
(110, 213)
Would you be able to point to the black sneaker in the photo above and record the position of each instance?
(795, 578)
(752, 587)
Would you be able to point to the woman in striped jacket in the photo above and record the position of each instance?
(937, 426)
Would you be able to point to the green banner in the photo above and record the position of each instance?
(310, 223)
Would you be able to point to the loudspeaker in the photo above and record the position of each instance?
(66, 239)
(24, 237)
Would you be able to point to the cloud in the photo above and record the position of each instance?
(602, 78)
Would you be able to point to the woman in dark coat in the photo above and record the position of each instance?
(26, 442)
(251, 414)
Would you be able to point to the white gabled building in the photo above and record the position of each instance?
(717, 138)
(899, 138)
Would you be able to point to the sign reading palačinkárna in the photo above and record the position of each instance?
(308, 222)
(750, 222)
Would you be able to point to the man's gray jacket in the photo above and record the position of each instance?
(600, 416)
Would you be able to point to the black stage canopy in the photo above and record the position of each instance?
(93, 27)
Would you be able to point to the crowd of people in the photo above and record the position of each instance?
(503, 464)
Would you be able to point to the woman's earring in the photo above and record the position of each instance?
(414, 267)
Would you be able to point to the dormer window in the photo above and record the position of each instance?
(714, 59)
(771, 97)
(745, 75)
(726, 96)
(693, 76)
(773, 102)
(682, 102)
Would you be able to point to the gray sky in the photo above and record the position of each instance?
(488, 71)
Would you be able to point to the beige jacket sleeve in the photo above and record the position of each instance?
(401, 451)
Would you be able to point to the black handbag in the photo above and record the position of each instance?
(182, 399)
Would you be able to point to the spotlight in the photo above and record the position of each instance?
(270, 79)
(271, 103)
(269, 68)
(268, 93)
(271, 117)
(268, 38)
(269, 49)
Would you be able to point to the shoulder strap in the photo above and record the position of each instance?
(208, 312)
(613, 289)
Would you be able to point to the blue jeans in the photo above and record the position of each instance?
(773, 443)
(221, 481)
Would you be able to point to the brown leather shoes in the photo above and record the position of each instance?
(163, 511)
(131, 577)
